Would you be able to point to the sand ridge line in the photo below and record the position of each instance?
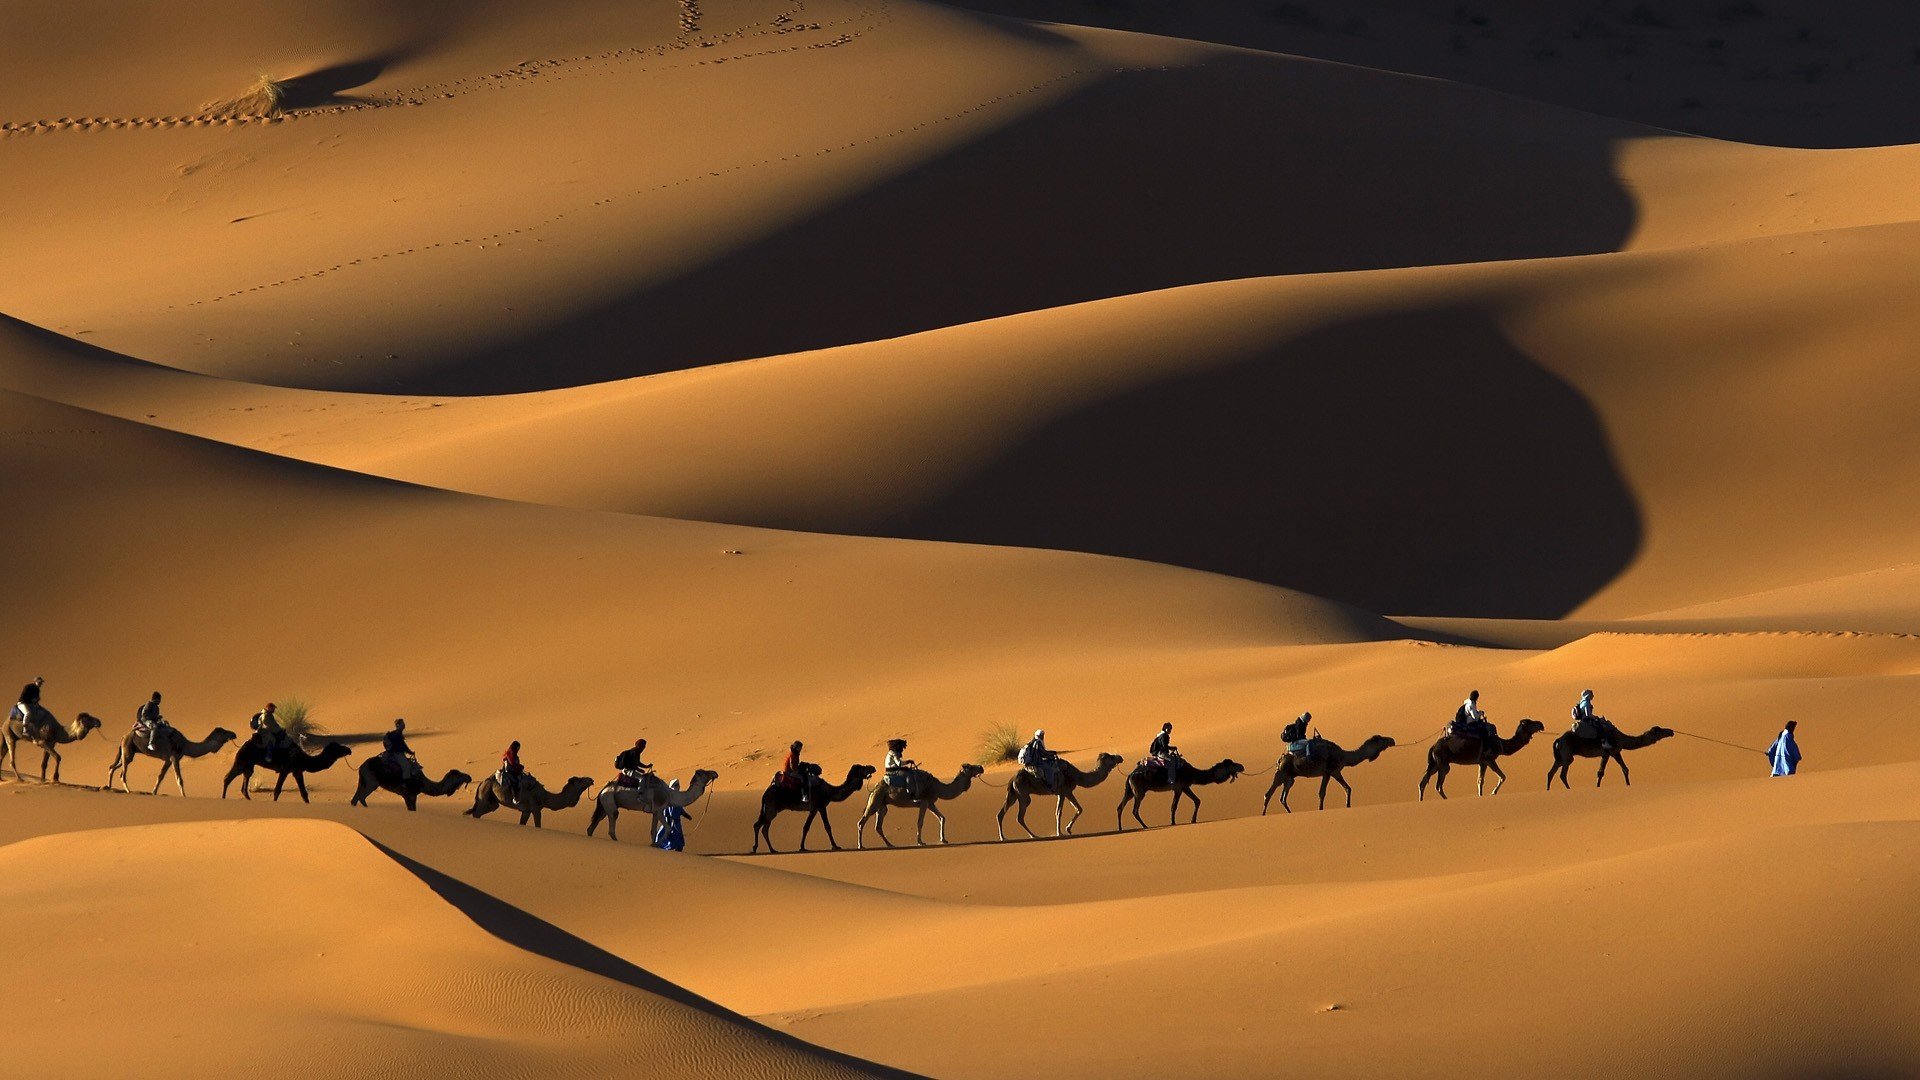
(669, 185)
(424, 94)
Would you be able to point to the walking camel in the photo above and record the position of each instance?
(1570, 746)
(920, 791)
(1024, 785)
(1451, 750)
(170, 746)
(652, 796)
(1327, 762)
(779, 798)
(1146, 778)
(48, 733)
(292, 761)
(379, 773)
(489, 796)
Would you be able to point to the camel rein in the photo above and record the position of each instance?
(1722, 742)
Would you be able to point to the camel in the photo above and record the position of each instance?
(379, 773)
(1327, 763)
(1570, 746)
(922, 792)
(51, 733)
(172, 748)
(293, 762)
(1149, 778)
(652, 796)
(778, 798)
(1451, 750)
(1024, 785)
(490, 796)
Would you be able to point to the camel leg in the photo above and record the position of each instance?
(1323, 790)
(1342, 781)
(1021, 817)
(1271, 788)
(920, 828)
(228, 782)
(813, 811)
(827, 824)
(760, 827)
(1196, 807)
(1440, 780)
(1286, 789)
(942, 818)
(179, 780)
(1000, 819)
(1059, 812)
(300, 781)
(1139, 797)
(49, 752)
(1497, 771)
(613, 815)
(1625, 777)
(1077, 811)
(160, 777)
(880, 824)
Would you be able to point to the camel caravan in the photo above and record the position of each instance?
(1469, 740)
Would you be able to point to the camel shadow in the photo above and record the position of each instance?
(530, 933)
(328, 86)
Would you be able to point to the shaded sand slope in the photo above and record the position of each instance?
(158, 559)
(1794, 72)
(763, 193)
(366, 970)
(1262, 925)
(1629, 433)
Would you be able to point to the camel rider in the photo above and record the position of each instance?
(1299, 743)
(1468, 720)
(398, 754)
(795, 773)
(1043, 763)
(899, 766)
(1586, 725)
(1162, 751)
(28, 705)
(268, 733)
(149, 720)
(629, 763)
(513, 775)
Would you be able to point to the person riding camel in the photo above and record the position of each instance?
(148, 721)
(28, 706)
(268, 733)
(1043, 763)
(629, 763)
(513, 775)
(797, 773)
(1162, 752)
(1295, 735)
(399, 755)
(1470, 723)
(1586, 725)
(899, 770)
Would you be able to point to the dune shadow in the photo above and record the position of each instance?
(532, 934)
(1241, 167)
(1415, 463)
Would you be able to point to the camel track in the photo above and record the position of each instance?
(609, 200)
(546, 70)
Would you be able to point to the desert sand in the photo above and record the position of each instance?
(730, 372)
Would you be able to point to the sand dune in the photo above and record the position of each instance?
(729, 372)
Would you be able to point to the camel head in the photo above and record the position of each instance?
(971, 770)
(1229, 769)
(1384, 742)
(1655, 734)
(332, 752)
(859, 774)
(706, 776)
(457, 780)
(1110, 761)
(1530, 726)
(88, 722)
(221, 736)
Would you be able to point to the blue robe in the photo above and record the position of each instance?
(670, 836)
(1785, 754)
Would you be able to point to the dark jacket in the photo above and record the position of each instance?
(395, 742)
(628, 760)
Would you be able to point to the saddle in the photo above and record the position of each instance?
(1160, 765)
